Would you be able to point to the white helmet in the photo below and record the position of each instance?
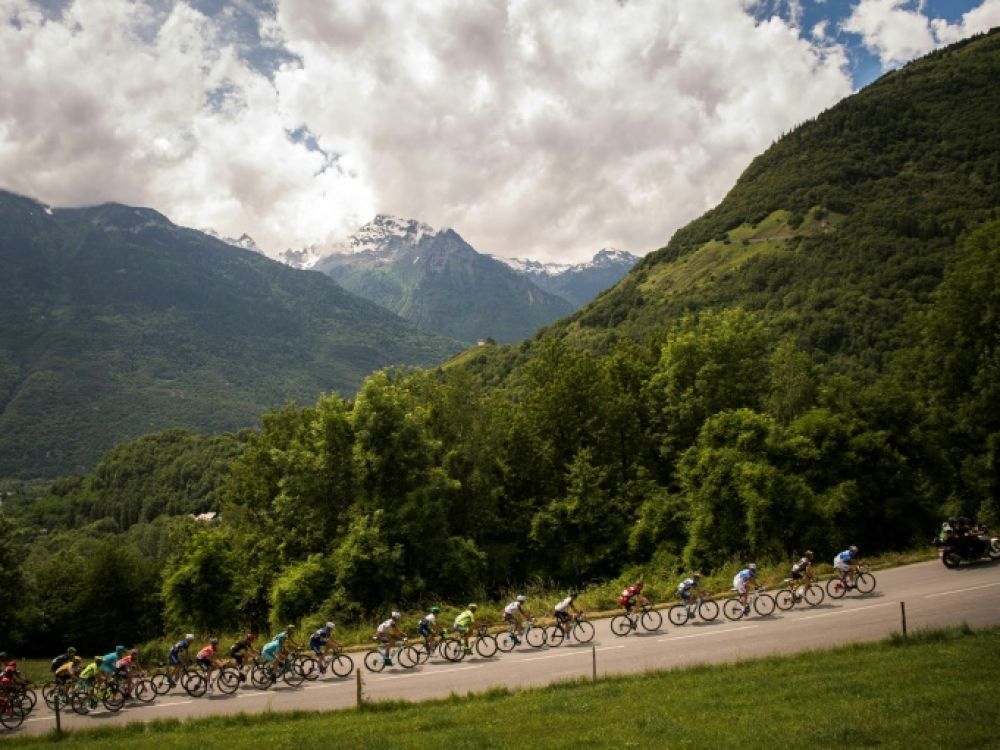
(189, 637)
(522, 598)
(396, 615)
(331, 625)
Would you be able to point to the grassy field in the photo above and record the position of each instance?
(935, 690)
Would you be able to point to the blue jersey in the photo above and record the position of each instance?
(108, 662)
(846, 556)
(687, 584)
(746, 574)
(179, 647)
(320, 637)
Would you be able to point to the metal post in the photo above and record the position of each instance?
(361, 698)
(902, 612)
(593, 653)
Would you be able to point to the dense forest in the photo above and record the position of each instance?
(799, 368)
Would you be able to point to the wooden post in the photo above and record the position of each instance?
(57, 702)
(361, 697)
(902, 612)
(593, 653)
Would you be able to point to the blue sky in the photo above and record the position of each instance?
(536, 129)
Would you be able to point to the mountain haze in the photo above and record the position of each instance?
(435, 279)
(116, 323)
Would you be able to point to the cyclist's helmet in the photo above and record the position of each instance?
(810, 554)
(119, 649)
(189, 637)
(11, 667)
(752, 567)
(249, 636)
(213, 641)
(134, 652)
(853, 549)
(473, 607)
(330, 624)
(77, 660)
(71, 651)
(289, 628)
(639, 584)
(98, 658)
(574, 592)
(522, 598)
(396, 616)
(435, 610)
(696, 577)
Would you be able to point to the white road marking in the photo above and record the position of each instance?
(702, 635)
(164, 705)
(962, 591)
(427, 674)
(848, 611)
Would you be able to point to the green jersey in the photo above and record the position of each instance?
(465, 619)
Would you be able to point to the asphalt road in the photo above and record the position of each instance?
(933, 595)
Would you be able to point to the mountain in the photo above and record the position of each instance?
(116, 322)
(577, 283)
(244, 241)
(435, 279)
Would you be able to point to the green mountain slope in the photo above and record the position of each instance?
(117, 323)
(840, 229)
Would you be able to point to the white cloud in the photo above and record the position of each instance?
(899, 30)
(534, 128)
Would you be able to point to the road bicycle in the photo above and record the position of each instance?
(864, 583)
(795, 592)
(534, 635)
(761, 602)
(699, 605)
(339, 664)
(13, 709)
(580, 630)
(104, 692)
(649, 618)
(401, 654)
(265, 674)
(480, 640)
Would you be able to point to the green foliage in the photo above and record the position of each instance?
(202, 590)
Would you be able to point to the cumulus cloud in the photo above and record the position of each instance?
(534, 128)
(899, 30)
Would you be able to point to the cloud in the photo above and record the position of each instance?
(899, 30)
(534, 128)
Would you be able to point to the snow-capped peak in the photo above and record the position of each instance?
(244, 241)
(303, 259)
(607, 256)
(382, 231)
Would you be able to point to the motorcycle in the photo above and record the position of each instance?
(955, 549)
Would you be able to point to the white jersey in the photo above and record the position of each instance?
(429, 619)
(687, 584)
(512, 608)
(564, 604)
(386, 626)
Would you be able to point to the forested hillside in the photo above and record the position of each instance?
(116, 323)
(814, 363)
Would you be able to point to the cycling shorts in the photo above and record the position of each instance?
(459, 628)
(316, 646)
(740, 585)
(510, 618)
(843, 567)
(796, 575)
(425, 630)
(562, 616)
(685, 594)
(205, 663)
(175, 658)
(268, 653)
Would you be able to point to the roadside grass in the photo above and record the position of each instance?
(597, 600)
(934, 689)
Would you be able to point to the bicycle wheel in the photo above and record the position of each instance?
(651, 619)
(228, 681)
(50, 693)
(261, 677)
(555, 635)
(865, 583)
(81, 702)
(113, 698)
(194, 684)
(583, 632)
(785, 600)
(162, 683)
(29, 700)
(535, 636)
(292, 676)
(453, 650)
(142, 691)
(486, 646)
(374, 661)
(342, 665)
(505, 642)
(678, 614)
(708, 610)
(621, 625)
(408, 657)
(423, 653)
(12, 712)
(763, 604)
(813, 595)
(835, 588)
(307, 666)
(733, 610)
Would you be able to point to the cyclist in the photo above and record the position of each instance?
(687, 587)
(387, 634)
(846, 563)
(239, 651)
(178, 658)
(110, 661)
(514, 615)
(92, 671)
(63, 659)
(318, 644)
(429, 628)
(208, 659)
(286, 643)
(745, 576)
(69, 671)
(562, 615)
(632, 596)
(803, 571)
(463, 625)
